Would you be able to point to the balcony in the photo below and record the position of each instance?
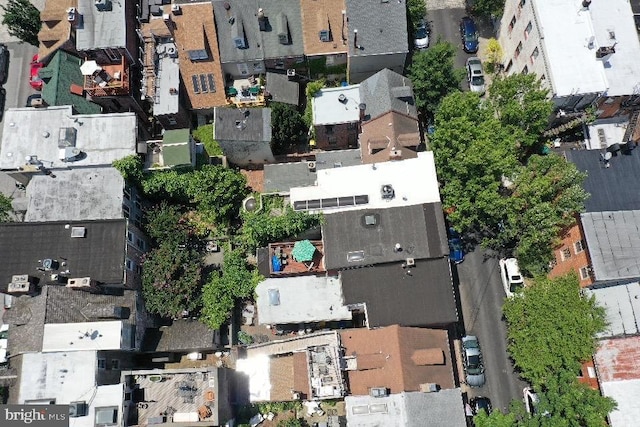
(108, 80)
(283, 263)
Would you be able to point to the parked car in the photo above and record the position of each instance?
(456, 253)
(34, 79)
(512, 280)
(475, 75)
(480, 403)
(4, 63)
(421, 38)
(472, 361)
(532, 402)
(469, 35)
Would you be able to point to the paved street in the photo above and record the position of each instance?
(482, 296)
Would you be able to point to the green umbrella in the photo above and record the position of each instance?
(303, 251)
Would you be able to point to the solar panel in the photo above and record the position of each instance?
(212, 83)
(203, 83)
(346, 201)
(196, 85)
(313, 204)
(330, 203)
(300, 206)
(198, 54)
(362, 200)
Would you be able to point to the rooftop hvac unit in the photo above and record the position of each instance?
(429, 387)
(311, 166)
(410, 262)
(387, 192)
(78, 409)
(395, 153)
(378, 392)
(291, 72)
(79, 282)
(18, 288)
(78, 232)
(71, 14)
(176, 9)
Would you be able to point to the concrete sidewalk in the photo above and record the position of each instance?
(4, 33)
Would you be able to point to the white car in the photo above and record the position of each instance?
(512, 280)
(532, 401)
(475, 75)
(421, 38)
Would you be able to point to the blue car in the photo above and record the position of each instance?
(469, 35)
(456, 253)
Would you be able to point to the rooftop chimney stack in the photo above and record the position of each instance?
(586, 3)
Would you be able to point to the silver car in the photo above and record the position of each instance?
(475, 75)
(473, 366)
(421, 38)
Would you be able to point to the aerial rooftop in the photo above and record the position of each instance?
(381, 26)
(374, 186)
(566, 31)
(336, 105)
(51, 134)
(103, 24)
(622, 308)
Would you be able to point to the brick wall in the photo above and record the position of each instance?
(572, 255)
(337, 137)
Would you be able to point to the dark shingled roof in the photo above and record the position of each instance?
(245, 23)
(99, 255)
(255, 124)
(282, 89)
(382, 27)
(282, 15)
(417, 296)
(66, 305)
(419, 229)
(387, 91)
(182, 335)
(612, 188)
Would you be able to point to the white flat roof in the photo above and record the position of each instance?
(76, 195)
(101, 28)
(168, 78)
(622, 70)
(257, 369)
(566, 29)
(606, 132)
(625, 393)
(414, 182)
(102, 138)
(622, 308)
(83, 336)
(328, 110)
(301, 299)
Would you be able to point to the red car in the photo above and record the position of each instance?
(34, 80)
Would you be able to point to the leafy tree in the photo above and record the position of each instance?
(236, 281)
(546, 195)
(130, 168)
(488, 8)
(164, 223)
(416, 10)
(260, 228)
(204, 135)
(495, 419)
(552, 328)
(5, 208)
(493, 53)
(288, 127)
(434, 76)
(522, 104)
(292, 422)
(171, 280)
(22, 19)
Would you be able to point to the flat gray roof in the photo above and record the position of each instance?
(374, 233)
(381, 25)
(102, 138)
(444, 408)
(76, 195)
(282, 89)
(168, 78)
(101, 28)
(235, 124)
(301, 299)
(622, 305)
(613, 239)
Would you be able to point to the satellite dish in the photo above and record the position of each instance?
(607, 156)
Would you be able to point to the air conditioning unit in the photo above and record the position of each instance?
(78, 409)
(311, 166)
(176, 9)
(378, 392)
(395, 154)
(71, 14)
(387, 192)
(18, 288)
(79, 282)
(429, 387)
(410, 262)
(291, 72)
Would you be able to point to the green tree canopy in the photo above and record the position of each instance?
(522, 105)
(236, 281)
(22, 19)
(434, 76)
(204, 135)
(488, 8)
(171, 280)
(272, 223)
(288, 127)
(165, 223)
(416, 10)
(552, 328)
(130, 168)
(5, 208)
